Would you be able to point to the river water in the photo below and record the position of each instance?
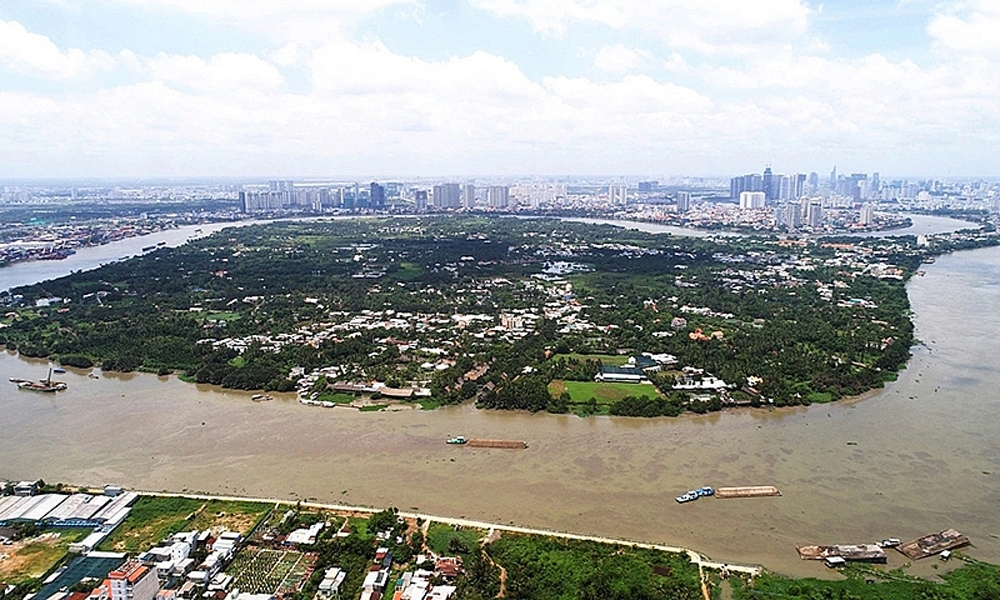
(925, 452)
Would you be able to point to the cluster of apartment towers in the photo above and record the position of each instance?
(757, 191)
(281, 194)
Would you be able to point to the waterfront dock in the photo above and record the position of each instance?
(871, 553)
(750, 491)
(934, 543)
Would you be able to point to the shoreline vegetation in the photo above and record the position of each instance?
(516, 562)
(511, 314)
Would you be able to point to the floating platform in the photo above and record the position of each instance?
(871, 553)
(934, 543)
(750, 491)
(508, 444)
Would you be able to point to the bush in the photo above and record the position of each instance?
(76, 360)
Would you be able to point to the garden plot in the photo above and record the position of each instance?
(267, 571)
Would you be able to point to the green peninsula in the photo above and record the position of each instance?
(526, 314)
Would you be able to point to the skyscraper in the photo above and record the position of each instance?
(498, 196)
(683, 201)
(447, 195)
(769, 192)
(468, 195)
(377, 196)
(420, 200)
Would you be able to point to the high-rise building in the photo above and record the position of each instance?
(769, 189)
(867, 214)
(833, 178)
(814, 215)
(420, 200)
(683, 201)
(498, 196)
(799, 187)
(447, 195)
(468, 195)
(793, 215)
(377, 198)
(813, 182)
(745, 183)
(752, 200)
(617, 194)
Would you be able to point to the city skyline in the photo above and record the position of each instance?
(177, 88)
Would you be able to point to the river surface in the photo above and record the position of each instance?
(925, 453)
(920, 225)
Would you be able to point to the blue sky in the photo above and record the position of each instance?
(107, 88)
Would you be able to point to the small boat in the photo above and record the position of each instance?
(148, 248)
(261, 397)
(161, 244)
(890, 543)
(687, 497)
(93, 376)
(457, 440)
(58, 370)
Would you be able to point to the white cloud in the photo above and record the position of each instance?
(618, 58)
(234, 72)
(717, 26)
(35, 54)
(968, 27)
(302, 20)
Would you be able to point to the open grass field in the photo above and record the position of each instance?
(439, 537)
(154, 518)
(608, 359)
(605, 393)
(32, 558)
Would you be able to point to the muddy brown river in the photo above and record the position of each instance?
(924, 454)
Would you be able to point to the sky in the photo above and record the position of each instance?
(185, 88)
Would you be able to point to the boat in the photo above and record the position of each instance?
(148, 248)
(45, 385)
(457, 440)
(161, 244)
(261, 397)
(58, 370)
(93, 376)
(890, 543)
(686, 497)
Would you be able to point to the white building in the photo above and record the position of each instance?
(752, 200)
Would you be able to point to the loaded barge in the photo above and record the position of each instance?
(483, 443)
